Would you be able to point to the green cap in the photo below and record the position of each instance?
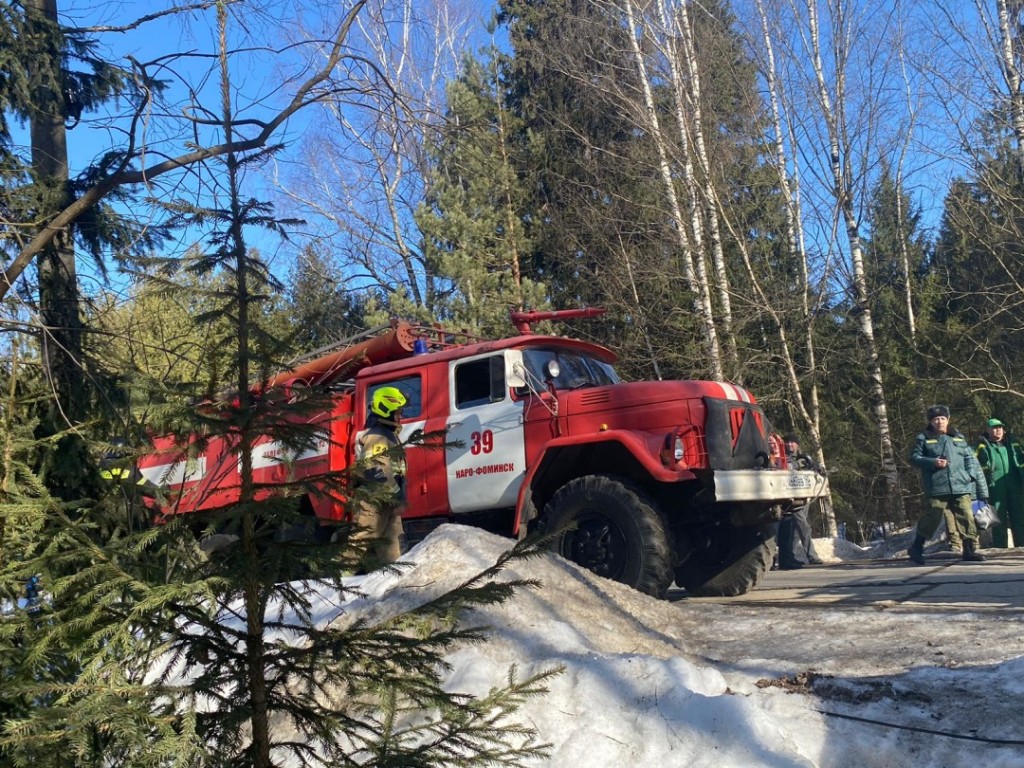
(995, 423)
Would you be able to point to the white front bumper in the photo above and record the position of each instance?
(768, 485)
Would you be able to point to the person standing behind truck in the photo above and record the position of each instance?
(378, 453)
(950, 477)
(795, 539)
(1002, 460)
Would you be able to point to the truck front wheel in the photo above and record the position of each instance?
(612, 528)
(725, 561)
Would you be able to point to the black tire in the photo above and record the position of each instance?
(726, 561)
(613, 529)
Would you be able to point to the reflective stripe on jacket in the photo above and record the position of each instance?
(381, 462)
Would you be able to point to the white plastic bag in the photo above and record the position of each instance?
(985, 515)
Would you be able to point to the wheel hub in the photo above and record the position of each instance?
(598, 547)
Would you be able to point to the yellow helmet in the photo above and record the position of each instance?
(386, 401)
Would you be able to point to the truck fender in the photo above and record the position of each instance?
(632, 442)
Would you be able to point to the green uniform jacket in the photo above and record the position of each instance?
(1001, 463)
(961, 476)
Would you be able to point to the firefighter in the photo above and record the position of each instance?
(119, 471)
(115, 467)
(380, 463)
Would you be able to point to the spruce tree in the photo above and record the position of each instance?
(54, 77)
(975, 314)
(319, 308)
(183, 655)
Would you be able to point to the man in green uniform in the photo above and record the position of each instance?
(381, 464)
(951, 477)
(1001, 458)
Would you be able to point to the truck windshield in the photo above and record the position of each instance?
(575, 369)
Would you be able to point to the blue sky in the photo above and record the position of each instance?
(259, 81)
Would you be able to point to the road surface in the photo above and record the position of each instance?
(869, 617)
(945, 582)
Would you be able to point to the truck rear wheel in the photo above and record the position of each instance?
(726, 561)
(612, 529)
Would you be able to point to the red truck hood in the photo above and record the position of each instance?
(648, 393)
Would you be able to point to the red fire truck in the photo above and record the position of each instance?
(645, 482)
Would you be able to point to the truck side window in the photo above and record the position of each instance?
(411, 387)
(480, 382)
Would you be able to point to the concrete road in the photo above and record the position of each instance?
(944, 583)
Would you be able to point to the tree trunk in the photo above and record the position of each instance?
(908, 292)
(809, 408)
(692, 96)
(58, 282)
(843, 194)
(695, 270)
(1011, 74)
(255, 603)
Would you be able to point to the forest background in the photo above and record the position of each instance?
(817, 199)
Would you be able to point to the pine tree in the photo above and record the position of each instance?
(472, 219)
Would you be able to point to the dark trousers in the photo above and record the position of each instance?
(796, 543)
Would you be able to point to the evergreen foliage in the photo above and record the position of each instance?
(320, 308)
(472, 220)
(148, 648)
(53, 76)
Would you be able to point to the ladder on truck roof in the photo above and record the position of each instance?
(341, 360)
(435, 336)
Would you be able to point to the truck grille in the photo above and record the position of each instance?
(735, 434)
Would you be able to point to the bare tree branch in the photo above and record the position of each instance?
(150, 17)
(304, 96)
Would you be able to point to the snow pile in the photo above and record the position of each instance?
(711, 684)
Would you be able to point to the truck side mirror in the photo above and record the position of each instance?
(515, 369)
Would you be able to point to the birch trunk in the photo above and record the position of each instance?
(809, 408)
(1011, 75)
(695, 270)
(907, 273)
(843, 194)
(692, 94)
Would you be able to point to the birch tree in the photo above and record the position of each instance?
(967, 322)
(695, 270)
(365, 165)
(835, 106)
(1008, 13)
(688, 93)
